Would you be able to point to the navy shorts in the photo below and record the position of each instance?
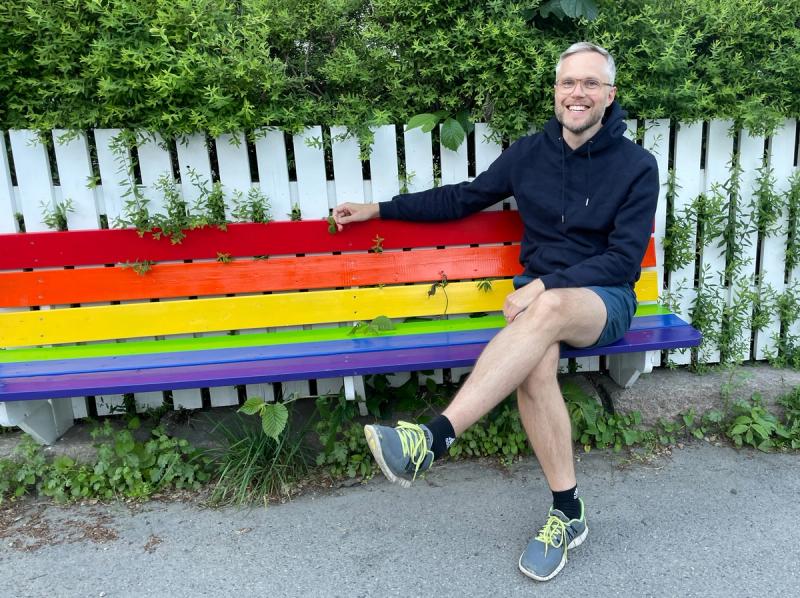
(620, 302)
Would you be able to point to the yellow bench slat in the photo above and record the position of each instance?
(57, 326)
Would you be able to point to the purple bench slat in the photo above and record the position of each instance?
(324, 366)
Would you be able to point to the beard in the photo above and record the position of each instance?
(577, 129)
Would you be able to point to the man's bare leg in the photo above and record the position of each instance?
(546, 421)
(576, 316)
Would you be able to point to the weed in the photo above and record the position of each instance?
(55, 216)
(141, 268)
(254, 467)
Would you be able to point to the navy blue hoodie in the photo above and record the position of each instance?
(587, 213)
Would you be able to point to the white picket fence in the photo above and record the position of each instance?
(27, 187)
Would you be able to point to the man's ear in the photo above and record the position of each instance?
(611, 95)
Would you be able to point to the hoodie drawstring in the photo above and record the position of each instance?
(588, 172)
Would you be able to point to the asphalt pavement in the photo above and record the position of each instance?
(704, 521)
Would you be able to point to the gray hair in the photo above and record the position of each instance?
(589, 47)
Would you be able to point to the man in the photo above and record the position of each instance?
(587, 197)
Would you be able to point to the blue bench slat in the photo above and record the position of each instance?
(321, 366)
(269, 352)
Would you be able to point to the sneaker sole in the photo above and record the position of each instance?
(375, 448)
(577, 541)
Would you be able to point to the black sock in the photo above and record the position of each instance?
(443, 435)
(567, 502)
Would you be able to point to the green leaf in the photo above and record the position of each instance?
(252, 406)
(273, 419)
(579, 8)
(383, 323)
(553, 7)
(463, 119)
(425, 121)
(453, 134)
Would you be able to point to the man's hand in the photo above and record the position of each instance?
(354, 212)
(519, 300)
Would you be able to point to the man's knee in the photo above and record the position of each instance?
(546, 312)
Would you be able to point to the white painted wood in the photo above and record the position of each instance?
(32, 167)
(224, 396)
(347, 170)
(189, 398)
(194, 166)
(688, 186)
(419, 160)
(630, 132)
(116, 174)
(773, 250)
(454, 163)
(8, 220)
(751, 150)
(486, 152)
(234, 169)
(45, 420)
(154, 163)
(588, 364)
(383, 164)
(75, 175)
(273, 171)
(312, 186)
(719, 153)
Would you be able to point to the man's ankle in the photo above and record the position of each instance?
(442, 434)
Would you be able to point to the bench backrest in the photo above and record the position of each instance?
(254, 276)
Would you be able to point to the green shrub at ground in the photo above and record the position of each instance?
(124, 468)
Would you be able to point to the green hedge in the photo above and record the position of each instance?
(222, 65)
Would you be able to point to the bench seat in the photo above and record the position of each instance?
(391, 351)
(280, 301)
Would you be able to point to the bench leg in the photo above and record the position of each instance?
(45, 420)
(625, 368)
(354, 390)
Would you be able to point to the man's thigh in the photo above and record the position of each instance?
(583, 314)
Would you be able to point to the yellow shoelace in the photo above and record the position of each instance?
(554, 533)
(413, 443)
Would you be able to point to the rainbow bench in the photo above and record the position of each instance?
(77, 322)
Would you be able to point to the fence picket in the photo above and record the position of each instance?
(751, 157)
(8, 219)
(312, 185)
(687, 187)
(419, 160)
(154, 163)
(383, 164)
(273, 171)
(346, 167)
(234, 169)
(33, 178)
(115, 174)
(719, 152)
(194, 166)
(454, 163)
(75, 175)
(773, 249)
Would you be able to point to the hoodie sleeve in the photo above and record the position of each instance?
(627, 243)
(451, 202)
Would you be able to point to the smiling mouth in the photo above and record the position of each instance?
(577, 108)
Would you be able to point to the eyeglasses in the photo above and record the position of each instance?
(567, 85)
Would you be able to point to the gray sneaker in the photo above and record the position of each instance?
(401, 452)
(546, 554)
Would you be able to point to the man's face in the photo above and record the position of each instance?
(580, 110)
